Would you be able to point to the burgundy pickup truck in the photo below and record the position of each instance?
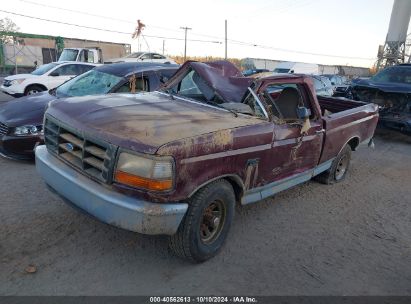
(176, 161)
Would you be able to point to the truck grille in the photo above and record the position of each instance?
(93, 157)
(4, 129)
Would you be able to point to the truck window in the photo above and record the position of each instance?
(193, 86)
(90, 56)
(283, 101)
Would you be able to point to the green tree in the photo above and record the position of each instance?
(7, 26)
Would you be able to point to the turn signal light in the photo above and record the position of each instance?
(141, 182)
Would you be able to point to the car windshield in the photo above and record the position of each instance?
(134, 55)
(91, 83)
(281, 70)
(68, 55)
(394, 74)
(44, 68)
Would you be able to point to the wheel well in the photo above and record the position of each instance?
(354, 142)
(35, 85)
(236, 183)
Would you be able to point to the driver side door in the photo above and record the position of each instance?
(296, 144)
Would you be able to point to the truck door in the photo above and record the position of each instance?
(297, 142)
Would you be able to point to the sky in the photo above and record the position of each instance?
(344, 32)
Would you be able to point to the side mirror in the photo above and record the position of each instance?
(303, 113)
(54, 74)
(163, 79)
(332, 83)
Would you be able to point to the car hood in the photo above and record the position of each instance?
(20, 76)
(388, 87)
(143, 122)
(28, 110)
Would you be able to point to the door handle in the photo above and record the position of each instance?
(320, 131)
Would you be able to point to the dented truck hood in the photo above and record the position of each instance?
(143, 122)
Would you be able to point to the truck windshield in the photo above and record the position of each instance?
(68, 55)
(394, 74)
(44, 69)
(90, 83)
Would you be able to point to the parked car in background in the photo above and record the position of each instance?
(143, 56)
(177, 161)
(21, 120)
(297, 68)
(391, 90)
(322, 85)
(44, 78)
(254, 72)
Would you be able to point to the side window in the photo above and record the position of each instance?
(158, 56)
(68, 70)
(146, 56)
(283, 101)
(90, 56)
(135, 85)
(165, 75)
(83, 56)
(85, 68)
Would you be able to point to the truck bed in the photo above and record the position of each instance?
(346, 122)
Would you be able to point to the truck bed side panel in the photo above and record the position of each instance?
(356, 123)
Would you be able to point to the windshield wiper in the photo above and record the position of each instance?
(213, 103)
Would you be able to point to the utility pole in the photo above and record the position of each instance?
(163, 45)
(225, 40)
(185, 40)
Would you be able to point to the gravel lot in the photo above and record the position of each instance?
(352, 238)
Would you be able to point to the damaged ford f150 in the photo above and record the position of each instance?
(176, 161)
(391, 90)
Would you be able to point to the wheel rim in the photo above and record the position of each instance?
(212, 221)
(31, 92)
(341, 167)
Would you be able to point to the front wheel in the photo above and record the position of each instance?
(206, 224)
(33, 89)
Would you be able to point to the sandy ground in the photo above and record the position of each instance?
(352, 238)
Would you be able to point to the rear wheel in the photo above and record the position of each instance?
(206, 224)
(338, 169)
(33, 89)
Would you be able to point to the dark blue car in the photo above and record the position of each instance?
(391, 90)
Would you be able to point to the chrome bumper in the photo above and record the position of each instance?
(105, 204)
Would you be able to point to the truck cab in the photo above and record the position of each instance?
(90, 55)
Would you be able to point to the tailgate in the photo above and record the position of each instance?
(355, 125)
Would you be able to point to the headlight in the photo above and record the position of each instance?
(143, 172)
(17, 81)
(28, 130)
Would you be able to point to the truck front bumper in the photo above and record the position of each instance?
(105, 204)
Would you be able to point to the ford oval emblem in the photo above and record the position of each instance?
(69, 147)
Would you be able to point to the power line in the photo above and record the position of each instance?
(104, 30)
(238, 42)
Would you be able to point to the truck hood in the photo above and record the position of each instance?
(143, 122)
(389, 87)
(28, 110)
(20, 76)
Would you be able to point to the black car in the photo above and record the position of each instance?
(21, 120)
(391, 90)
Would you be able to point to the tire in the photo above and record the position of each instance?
(33, 89)
(338, 169)
(192, 242)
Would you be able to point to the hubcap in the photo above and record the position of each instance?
(31, 92)
(341, 168)
(212, 221)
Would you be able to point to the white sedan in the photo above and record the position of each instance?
(143, 57)
(46, 77)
